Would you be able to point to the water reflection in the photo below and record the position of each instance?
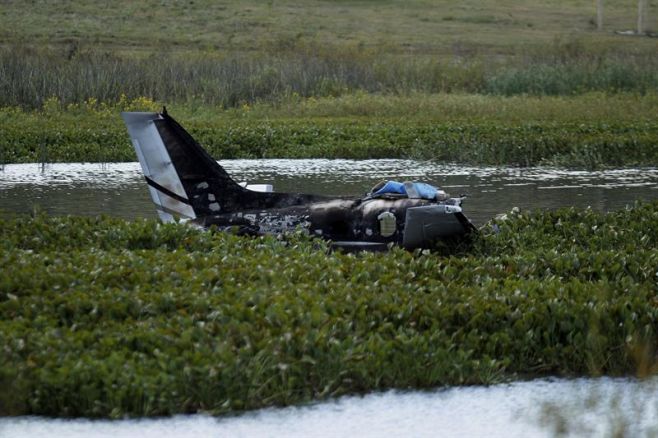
(118, 188)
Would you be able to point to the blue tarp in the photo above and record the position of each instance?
(424, 190)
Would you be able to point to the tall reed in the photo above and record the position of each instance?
(28, 76)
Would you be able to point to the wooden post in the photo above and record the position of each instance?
(599, 15)
(641, 7)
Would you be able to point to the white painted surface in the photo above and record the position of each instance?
(156, 165)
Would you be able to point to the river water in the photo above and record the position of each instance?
(118, 189)
(583, 407)
(539, 408)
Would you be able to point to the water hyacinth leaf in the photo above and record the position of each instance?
(103, 317)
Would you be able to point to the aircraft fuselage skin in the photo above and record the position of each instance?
(348, 220)
(186, 182)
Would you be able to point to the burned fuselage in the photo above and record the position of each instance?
(186, 182)
(412, 223)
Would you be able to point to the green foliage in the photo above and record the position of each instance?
(104, 317)
(467, 129)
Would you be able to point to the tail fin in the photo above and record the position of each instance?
(184, 180)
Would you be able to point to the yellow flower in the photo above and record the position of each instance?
(51, 105)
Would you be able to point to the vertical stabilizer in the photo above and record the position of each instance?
(185, 181)
(165, 186)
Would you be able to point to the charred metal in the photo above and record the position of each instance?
(186, 182)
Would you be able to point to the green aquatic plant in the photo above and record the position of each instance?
(72, 136)
(104, 317)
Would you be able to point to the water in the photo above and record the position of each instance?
(118, 189)
(539, 408)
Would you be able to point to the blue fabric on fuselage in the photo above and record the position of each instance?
(424, 190)
(392, 187)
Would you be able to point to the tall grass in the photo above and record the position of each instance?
(568, 78)
(28, 77)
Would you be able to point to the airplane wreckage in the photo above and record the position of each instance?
(185, 182)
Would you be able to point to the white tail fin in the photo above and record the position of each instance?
(165, 186)
(185, 180)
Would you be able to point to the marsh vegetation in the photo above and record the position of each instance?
(474, 82)
(104, 317)
(589, 131)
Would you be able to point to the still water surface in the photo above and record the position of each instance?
(539, 408)
(118, 189)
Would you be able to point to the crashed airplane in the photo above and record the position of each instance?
(185, 182)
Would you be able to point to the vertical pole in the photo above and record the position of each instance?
(599, 15)
(641, 7)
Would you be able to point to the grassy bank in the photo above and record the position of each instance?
(412, 26)
(479, 82)
(102, 317)
(587, 131)
(236, 52)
